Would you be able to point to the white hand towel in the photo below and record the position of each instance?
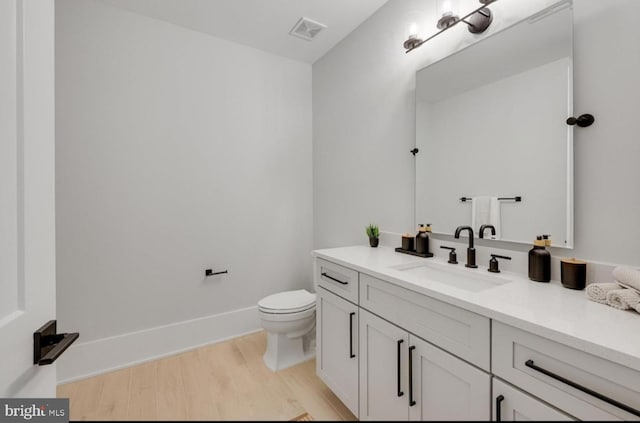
(598, 291)
(623, 299)
(485, 211)
(627, 276)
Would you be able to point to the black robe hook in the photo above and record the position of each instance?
(582, 121)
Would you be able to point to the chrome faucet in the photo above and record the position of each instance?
(471, 252)
(484, 227)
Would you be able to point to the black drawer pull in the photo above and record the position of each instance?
(351, 354)
(529, 363)
(499, 400)
(334, 279)
(411, 401)
(400, 393)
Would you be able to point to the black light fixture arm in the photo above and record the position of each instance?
(478, 21)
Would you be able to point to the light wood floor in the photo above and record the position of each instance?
(226, 381)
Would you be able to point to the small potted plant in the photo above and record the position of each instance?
(373, 232)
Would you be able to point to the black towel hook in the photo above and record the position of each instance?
(582, 121)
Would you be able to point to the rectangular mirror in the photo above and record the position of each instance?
(491, 123)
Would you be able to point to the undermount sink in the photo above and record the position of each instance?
(474, 280)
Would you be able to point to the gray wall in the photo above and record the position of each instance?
(176, 152)
(363, 124)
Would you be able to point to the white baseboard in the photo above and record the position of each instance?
(103, 355)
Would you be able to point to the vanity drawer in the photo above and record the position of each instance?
(338, 279)
(461, 332)
(557, 367)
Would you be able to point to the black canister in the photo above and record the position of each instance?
(539, 262)
(407, 242)
(422, 239)
(573, 273)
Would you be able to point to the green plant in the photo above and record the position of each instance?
(373, 231)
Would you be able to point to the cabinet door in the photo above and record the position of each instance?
(337, 346)
(444, 387)
(511, 404)
(383, 370)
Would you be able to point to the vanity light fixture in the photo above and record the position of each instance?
(477, 21)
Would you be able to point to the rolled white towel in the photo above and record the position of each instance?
(624, 299)
(628, 276)
(598, 291)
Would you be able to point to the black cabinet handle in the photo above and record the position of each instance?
(411, 401)
(351, 354)
(334, 279)
(400, 393)
(530, 363)
(499, 400)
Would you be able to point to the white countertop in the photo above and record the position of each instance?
(545, 309)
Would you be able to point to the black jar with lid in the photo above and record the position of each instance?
(539, 262)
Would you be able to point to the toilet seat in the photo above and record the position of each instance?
(288, 302)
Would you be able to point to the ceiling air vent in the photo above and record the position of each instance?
(306, 29)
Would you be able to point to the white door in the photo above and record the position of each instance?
(445, 387)
(383, 370)
(27, 218)
(337, 346)
(511, 404)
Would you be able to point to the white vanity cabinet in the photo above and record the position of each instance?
(463, 333)
(338, 279)
(391, 351)
(384, 382)
(382, 369)
(337, 346)
(511, 404)
(445, 387)
(581, 384)
(403, 377)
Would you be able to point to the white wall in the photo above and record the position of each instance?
(175, 152)
(363, 114)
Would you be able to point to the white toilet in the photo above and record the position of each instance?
(289, 318)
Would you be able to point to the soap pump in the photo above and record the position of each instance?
(539, 261)
(422, 239)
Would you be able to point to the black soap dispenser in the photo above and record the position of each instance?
(539, 261)
(422, 239)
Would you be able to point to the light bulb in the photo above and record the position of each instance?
(447, 8)
(413, 30)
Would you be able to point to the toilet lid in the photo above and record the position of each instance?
(288, 301)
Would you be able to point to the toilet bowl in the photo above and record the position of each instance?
(289, 318)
